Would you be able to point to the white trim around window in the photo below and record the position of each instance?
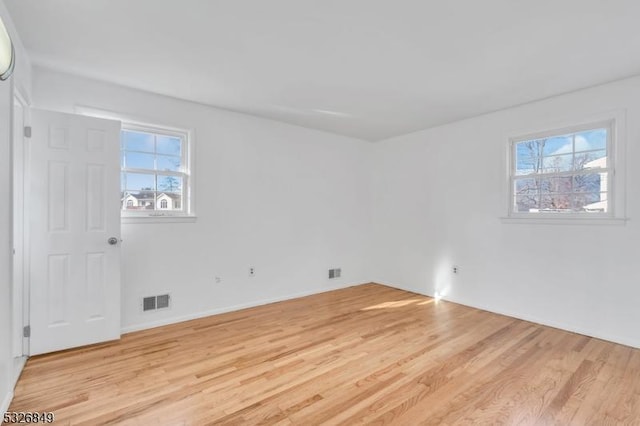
(178, 174)
(555, 187)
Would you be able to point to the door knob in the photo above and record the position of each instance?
(112, 241)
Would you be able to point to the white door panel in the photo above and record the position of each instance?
(75, 209)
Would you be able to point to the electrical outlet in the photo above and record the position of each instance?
(455, 269)
(252, 271)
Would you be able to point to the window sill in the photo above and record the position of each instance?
(612, 221)
(157, 219)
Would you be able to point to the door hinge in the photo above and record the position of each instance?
(27, 131)
(26, 331)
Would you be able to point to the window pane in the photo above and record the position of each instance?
(138, 200)
(168, 145)
(556, 202)
(556, 185)
(593, 182)
(526, 203)
(558, 145)
(557, 163)
(138, 160)
(170, 184)
(127, 202)
(169, 201)
(595, 203)
(139, 181)
(169, 163)
(528, 157)
(591, 160)
(591, 140)
(137, 141)
(527, 186)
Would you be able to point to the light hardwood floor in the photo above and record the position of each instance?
(367, 354)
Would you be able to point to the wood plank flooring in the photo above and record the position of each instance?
(363, 355)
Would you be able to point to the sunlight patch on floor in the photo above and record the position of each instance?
(394, 304)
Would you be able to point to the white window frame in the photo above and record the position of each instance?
(159, 215)
(615, 125)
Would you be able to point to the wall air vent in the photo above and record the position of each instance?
(149, 303)
(153, 303)
(334, 273)
(162, 301)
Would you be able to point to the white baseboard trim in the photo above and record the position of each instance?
(6, 402)
(252, 304)
(18, 366)
(622, 340)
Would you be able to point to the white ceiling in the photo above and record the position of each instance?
(371, 69)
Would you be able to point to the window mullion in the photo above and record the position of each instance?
(540, 167)
(152, 172)
(563, 174)
(572, 202)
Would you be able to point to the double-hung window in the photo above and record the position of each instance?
(155, 177)
(566, 173)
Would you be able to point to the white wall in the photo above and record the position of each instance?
(289, 201)
(438, 196)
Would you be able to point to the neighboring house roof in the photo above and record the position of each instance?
(170, 195)
(144, 195)
(149, 195)
(598, 162)
(597, 206)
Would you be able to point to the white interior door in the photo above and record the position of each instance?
(74, 204)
